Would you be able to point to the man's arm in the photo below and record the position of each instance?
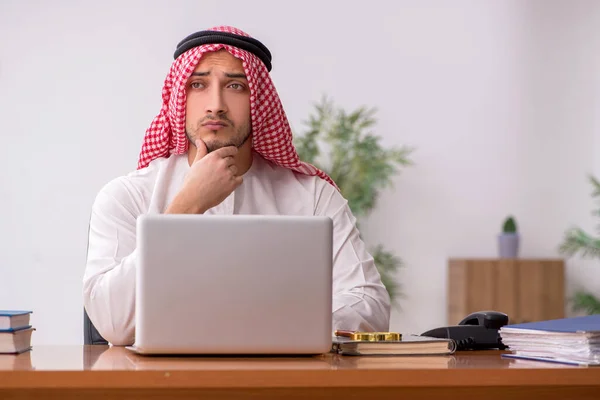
(360, 300)
(109, 279)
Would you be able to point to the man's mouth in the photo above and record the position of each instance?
(214, 125)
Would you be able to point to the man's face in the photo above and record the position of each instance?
(218, 102)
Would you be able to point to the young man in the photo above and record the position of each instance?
(221, 144)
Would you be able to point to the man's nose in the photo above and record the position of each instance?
(216, 102)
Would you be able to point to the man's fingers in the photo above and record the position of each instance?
(201, 150)
(233, 169)
(228, 151)
(229, 161)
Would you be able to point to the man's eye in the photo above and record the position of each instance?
(236, 86)
(196, 85)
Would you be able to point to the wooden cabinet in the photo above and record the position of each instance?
(525, 289)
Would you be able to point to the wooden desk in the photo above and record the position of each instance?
(98, 372)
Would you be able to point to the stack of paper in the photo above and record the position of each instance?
(568, 340)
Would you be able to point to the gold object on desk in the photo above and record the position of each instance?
(370, 336)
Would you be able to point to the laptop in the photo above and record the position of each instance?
(233, 284)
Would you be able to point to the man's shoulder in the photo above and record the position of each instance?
(312, 191)
(286, 176)
(132, 188)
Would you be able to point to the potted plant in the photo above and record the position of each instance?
(509, 239)
(577, 241)
(358, 164)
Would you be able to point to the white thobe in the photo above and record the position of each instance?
(360, 300)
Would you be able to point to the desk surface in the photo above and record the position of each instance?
(103, 371)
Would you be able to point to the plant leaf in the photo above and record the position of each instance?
(587, 302)
(357, 163)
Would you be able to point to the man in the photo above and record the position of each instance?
(221, 144)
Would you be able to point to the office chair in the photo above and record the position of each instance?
(90, 333)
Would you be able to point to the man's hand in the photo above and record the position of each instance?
(212, 177)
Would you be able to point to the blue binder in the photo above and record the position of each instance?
(585, 324)
(538, 340)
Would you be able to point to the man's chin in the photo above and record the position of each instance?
(212, 145)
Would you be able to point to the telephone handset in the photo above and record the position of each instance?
(477, 331)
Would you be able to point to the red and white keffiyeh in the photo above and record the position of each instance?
(271, 132)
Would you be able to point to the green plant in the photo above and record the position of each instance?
(387, 264)
(586, 302)
(510, 226)
(577, 241)
(357, 163)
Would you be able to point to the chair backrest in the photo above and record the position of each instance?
(90, 333)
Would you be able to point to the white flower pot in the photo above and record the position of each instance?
(508, 245)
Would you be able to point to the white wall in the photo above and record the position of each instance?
(501, 100)
(504, 122)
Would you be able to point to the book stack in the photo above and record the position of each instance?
(389, 343)
(568, 340)
(15, 331)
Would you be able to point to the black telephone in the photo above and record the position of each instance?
(477, 331)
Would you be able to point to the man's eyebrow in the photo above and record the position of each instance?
(236, 75)
(229, 75)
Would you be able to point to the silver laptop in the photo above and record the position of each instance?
(237, 284)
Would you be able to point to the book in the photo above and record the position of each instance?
(573, 340)
(408, 345)
(11, 320)
(16, 341)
